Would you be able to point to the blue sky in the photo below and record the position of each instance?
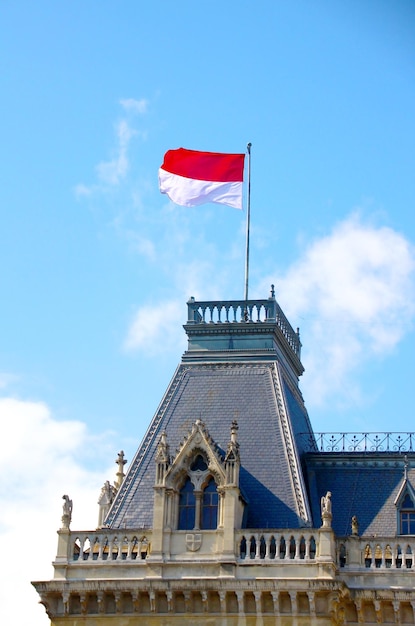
(97, 265)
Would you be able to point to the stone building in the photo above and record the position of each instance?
(233, 512)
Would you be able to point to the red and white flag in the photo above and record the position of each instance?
(190, 177)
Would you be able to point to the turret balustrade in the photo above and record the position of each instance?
(243, 312)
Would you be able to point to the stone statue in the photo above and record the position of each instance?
(355, 525)
(326, 503)
(326, 515)
(67, 511)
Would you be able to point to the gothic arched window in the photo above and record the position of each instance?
(210, 499)
(407, 516)
(199, 464)
(187, 506)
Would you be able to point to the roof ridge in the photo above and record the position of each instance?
(304, 511)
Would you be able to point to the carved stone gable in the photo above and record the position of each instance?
(198, 458)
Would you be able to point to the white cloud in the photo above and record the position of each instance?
(39, 462)
(7, 379)
(82, 190)
(354, 292)
(110, 173)
(155, 328)
(113, 171)
(135, 106)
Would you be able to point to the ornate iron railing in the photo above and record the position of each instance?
(358, 442)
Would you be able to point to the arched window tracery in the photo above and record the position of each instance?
(187, 504)
(210, 501)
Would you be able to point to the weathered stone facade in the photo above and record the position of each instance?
(240, 525)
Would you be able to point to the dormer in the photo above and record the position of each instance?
(405, 507)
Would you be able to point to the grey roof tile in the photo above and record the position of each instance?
(361, 485)
(218, 394)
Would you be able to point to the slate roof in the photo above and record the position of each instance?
(269, 411)
(365, 485)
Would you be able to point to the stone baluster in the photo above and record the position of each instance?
(81, 549)
(267, 546)
(101, 548)
(258, 547)
(129, 548)
(393, 555)
(297, 546)
(307, 548)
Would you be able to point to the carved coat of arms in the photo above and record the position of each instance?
(193, 541)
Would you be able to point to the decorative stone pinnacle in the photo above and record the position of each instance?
(234, 431)
(272, 294)
(120, 461)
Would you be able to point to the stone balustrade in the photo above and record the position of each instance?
(276, 545)
(243, 312)
(378, 553)
(106, 544)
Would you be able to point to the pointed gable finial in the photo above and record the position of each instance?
(272, 294)
(162, 454)
(234, 431)
(405, 467)
(232, 460)
(162, 458)
(120, 461)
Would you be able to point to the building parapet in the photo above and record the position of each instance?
(244, 312)
(376, 553)
(104, 545)
(277, 545)
(250, 545)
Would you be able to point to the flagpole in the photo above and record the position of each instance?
(248, 220)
